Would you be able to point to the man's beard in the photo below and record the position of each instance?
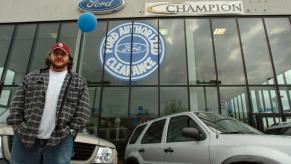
(59, 66)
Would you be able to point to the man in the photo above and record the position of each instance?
(48, 110)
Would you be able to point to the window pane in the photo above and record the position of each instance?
(114, 116)
(173, 100)
(91, 67)
(68, 34)
(145, 48)
(173, 66)
(46, 37)
(285, 95)
(228, 53)
(279, 33)
(117, 71)
(6, 96)
(253, 39)
(20, 54)
(91, 126)
(200, 51)
(264, 100)
(141, 109)
(204, 99)
(5, 38)
(114, 113)
(154, 133)
(234, 102)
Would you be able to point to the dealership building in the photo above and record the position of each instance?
(150, 58)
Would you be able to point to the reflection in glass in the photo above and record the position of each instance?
(114, 111)
(228, 52)
(264, 100)
(46, 37)
(116, 79)
(173, 68)
(20, 54)
(68, 35)
(114, 117)
(233, 102)
(279, 33)
(90, 65)
(255, 48)
(201, 66)
(6, 97)
(153, 77)
(144, 105)
(203, 99)
(94, 97)
(285, 95)
(173, 100)
(5, 38)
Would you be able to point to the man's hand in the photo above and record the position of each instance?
(73, 133)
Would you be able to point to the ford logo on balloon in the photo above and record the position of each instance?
(132, 50)
(101, 6)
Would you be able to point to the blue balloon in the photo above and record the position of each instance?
(87, 22)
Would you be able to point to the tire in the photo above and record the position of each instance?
(245, 163)
(131, 161)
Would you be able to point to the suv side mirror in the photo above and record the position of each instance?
(192, 133)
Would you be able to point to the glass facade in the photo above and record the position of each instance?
(233, 66)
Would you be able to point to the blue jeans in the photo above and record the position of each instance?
(38, 154)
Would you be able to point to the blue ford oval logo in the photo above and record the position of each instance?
(142, 55)
(101, 6)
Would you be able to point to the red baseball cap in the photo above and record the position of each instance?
(63, 46)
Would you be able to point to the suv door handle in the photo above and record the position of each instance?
(169, 149)
(142, 150)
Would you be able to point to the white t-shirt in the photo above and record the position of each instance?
(48, 119)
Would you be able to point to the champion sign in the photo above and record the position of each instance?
(144, 50)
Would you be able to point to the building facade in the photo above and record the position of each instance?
(152, 58)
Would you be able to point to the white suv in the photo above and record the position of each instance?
(204, 138)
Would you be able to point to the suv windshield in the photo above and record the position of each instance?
(225, 125)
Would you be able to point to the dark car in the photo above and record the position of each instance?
(280, 129)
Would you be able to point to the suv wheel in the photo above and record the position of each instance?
(244, 163)
(132, 161)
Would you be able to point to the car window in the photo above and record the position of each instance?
(154, 132)
(136, 134)
(175, 128)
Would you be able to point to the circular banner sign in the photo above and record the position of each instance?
(140, 42)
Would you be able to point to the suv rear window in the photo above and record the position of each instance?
(136, 134)
(154, 132)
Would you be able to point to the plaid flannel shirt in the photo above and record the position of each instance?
(28, 103)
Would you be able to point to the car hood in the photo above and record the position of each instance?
(83, 138)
